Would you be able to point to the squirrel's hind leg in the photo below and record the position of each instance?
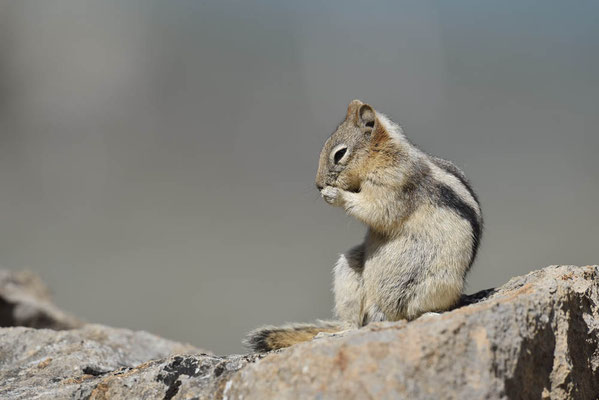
(348, 287)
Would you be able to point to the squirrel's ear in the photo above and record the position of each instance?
(366, 118)
(352, 110)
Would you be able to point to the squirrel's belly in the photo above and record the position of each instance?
(422, 270)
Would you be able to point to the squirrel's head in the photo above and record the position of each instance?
(360, 144)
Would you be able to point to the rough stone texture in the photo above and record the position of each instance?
(25, 301)
(48, 364)
(535, 337)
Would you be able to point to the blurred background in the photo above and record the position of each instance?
(157, 159)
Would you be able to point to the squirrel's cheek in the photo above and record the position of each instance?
(352, 181)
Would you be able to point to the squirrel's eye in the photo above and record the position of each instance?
(339, 154)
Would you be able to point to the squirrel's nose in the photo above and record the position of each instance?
(319, 187)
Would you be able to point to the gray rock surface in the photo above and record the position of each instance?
(535, 337)
(49, 364)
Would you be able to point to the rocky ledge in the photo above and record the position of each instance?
(535, 337)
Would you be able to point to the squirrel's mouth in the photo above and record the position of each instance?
(354, 188)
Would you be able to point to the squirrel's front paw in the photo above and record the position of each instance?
(331, 195)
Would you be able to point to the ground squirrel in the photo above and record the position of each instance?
(424, 227)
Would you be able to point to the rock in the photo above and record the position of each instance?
(43, 363)
(535, 337)
(25, 301)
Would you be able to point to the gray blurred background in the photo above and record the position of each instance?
(157, 159)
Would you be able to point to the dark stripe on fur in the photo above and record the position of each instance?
(448, 198)
(455, 171)
(258, 342)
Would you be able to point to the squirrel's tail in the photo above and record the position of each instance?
(270, 338)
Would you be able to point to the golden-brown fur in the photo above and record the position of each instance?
(424, 226)
(270, 337)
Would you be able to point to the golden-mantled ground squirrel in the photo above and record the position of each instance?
(424, 226)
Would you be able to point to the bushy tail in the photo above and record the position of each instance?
(270, 338)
